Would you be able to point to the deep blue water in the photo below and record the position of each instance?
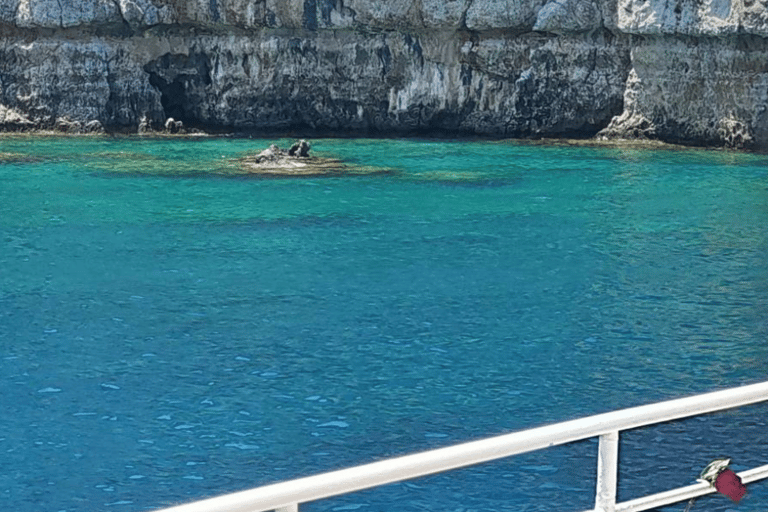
(169, 332)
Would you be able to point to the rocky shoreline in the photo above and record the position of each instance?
(248, 164)
(684, 73)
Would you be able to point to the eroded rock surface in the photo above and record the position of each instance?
(691, 72)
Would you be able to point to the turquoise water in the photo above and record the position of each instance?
(171, 331)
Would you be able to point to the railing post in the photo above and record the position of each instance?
(607, 470)
(293, 507)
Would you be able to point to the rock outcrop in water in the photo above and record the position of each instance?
(297, 161)
(675, 70)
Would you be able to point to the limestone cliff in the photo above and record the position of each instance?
(689, 71)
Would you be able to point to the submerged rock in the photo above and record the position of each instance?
(12, 158)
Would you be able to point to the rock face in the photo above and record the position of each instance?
(676, 70)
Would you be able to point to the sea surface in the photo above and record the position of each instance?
(171, 329)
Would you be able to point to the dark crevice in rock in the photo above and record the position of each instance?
(415, 46)
(385, 57)
(309, 20)
(326, 7)
(214, 8)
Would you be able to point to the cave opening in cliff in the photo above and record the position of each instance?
(172, 98)
(182, 81)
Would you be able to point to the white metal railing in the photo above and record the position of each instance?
(286, 496)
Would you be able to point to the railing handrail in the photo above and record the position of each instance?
(285, 495)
